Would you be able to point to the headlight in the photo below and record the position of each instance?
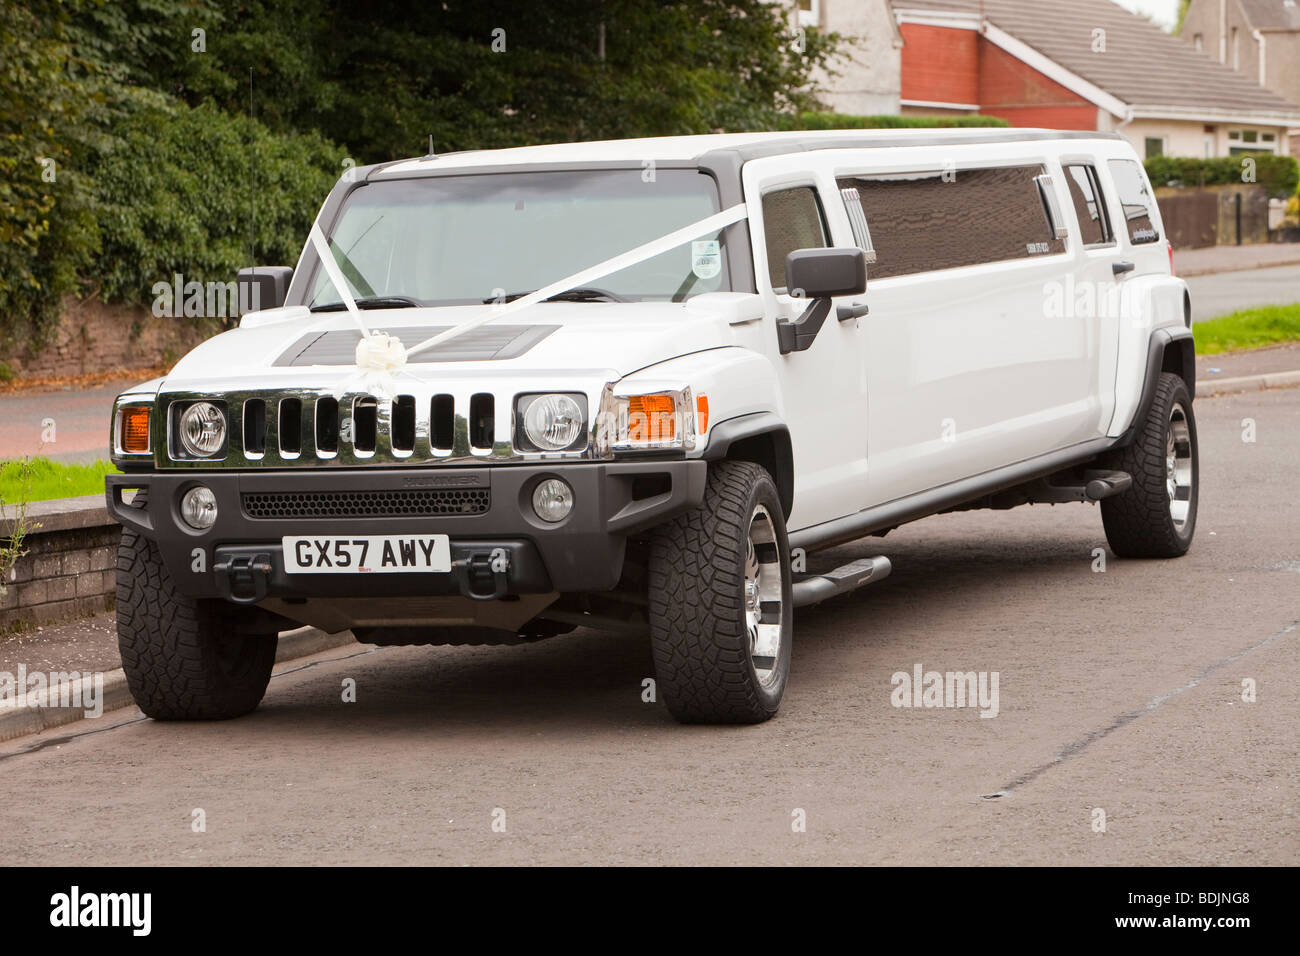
(655, 421)
(132, 432)
(199, 508)
(202, 429)
(552, 422)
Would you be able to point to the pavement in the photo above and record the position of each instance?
(1122, 735)
(80, 414)
(1195, 262)
(1226, 292)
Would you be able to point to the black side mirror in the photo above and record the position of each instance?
(819, 275)
(263, 287)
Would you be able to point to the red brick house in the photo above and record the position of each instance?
(1080, 64)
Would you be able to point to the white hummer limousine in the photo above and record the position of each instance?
(504, 394)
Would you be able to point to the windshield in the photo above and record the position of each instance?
(455, 240)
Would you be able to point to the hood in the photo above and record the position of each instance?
(621, 337)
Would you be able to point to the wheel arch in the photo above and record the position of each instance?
(761, 438)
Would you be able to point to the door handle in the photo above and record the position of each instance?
(1119, 268)
(854, 311)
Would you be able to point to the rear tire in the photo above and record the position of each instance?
(1156, 516)
(721, 621)
(185, 658)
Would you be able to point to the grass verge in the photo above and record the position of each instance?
(1248, 329)
(39, 479)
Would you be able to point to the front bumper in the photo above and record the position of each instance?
(240, 557)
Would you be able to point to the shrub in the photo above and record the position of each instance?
(1278, 174)
(810, 121)
(184, 187)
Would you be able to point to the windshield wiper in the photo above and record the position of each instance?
(373, 302)
(581, 294)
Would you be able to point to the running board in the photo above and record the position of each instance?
(815, 588)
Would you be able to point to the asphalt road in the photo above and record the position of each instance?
(1224, 292)
(1118, 690)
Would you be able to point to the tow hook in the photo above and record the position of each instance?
(481, 568)
(243, 578)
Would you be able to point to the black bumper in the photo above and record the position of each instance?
(240, 556)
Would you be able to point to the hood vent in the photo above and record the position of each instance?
(485, 344)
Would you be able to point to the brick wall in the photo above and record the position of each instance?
(69, 569)
(940, 64)
(1016, 92)
(92, 337)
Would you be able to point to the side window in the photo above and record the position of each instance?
(1135, 199)
(1085, 192)
(792, 219)
(926, 221)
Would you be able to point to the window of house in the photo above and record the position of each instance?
(1085, 193)
(1250, 136)
(1155, 146)
(1236, 51)
(792, 219)
(1200, 43)
(1135, 200)
(809, 12)
(926, 221)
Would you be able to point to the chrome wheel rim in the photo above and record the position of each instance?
(1179, 473)
(764, 596)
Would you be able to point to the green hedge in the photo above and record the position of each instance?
(184, 187)
(1278, 174)
(810, 121)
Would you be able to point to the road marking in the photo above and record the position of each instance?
(1082, 744)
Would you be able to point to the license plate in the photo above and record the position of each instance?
(366, 554)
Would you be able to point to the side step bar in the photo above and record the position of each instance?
(815, 588)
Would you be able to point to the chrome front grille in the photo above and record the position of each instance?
(399, 503)
(299, 427)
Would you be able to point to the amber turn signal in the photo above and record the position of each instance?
(651, 418)
(135, 430)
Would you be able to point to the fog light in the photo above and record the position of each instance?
(553, 500)
(199, 508)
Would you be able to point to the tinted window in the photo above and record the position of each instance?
(792, 219)
(1134, 199)
(1094, 227)
(921, 222)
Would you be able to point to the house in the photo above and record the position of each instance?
(1257, 38)
(1066, 64)
(864, 78)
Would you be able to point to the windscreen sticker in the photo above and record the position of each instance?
(706, 258)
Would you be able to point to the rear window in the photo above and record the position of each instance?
(1135, 199)
(925, 221)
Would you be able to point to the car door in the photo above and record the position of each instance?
(966, 370)
(823, 387)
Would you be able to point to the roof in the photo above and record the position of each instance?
(1272, 14)
(689, 149)
(1143, 66)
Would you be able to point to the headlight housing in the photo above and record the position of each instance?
(671, 419)
(551, 422)
(201, 428)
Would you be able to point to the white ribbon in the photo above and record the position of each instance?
(641, 253)
(336, 275)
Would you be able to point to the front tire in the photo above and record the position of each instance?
(1156, 516)
(721, 611)
(185, 658)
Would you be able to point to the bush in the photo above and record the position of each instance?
(1278, 174)
(810, 121)
(185, 186)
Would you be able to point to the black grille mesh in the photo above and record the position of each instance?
(367, 504)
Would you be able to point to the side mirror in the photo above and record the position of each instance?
(819, 275)
(263, 287)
